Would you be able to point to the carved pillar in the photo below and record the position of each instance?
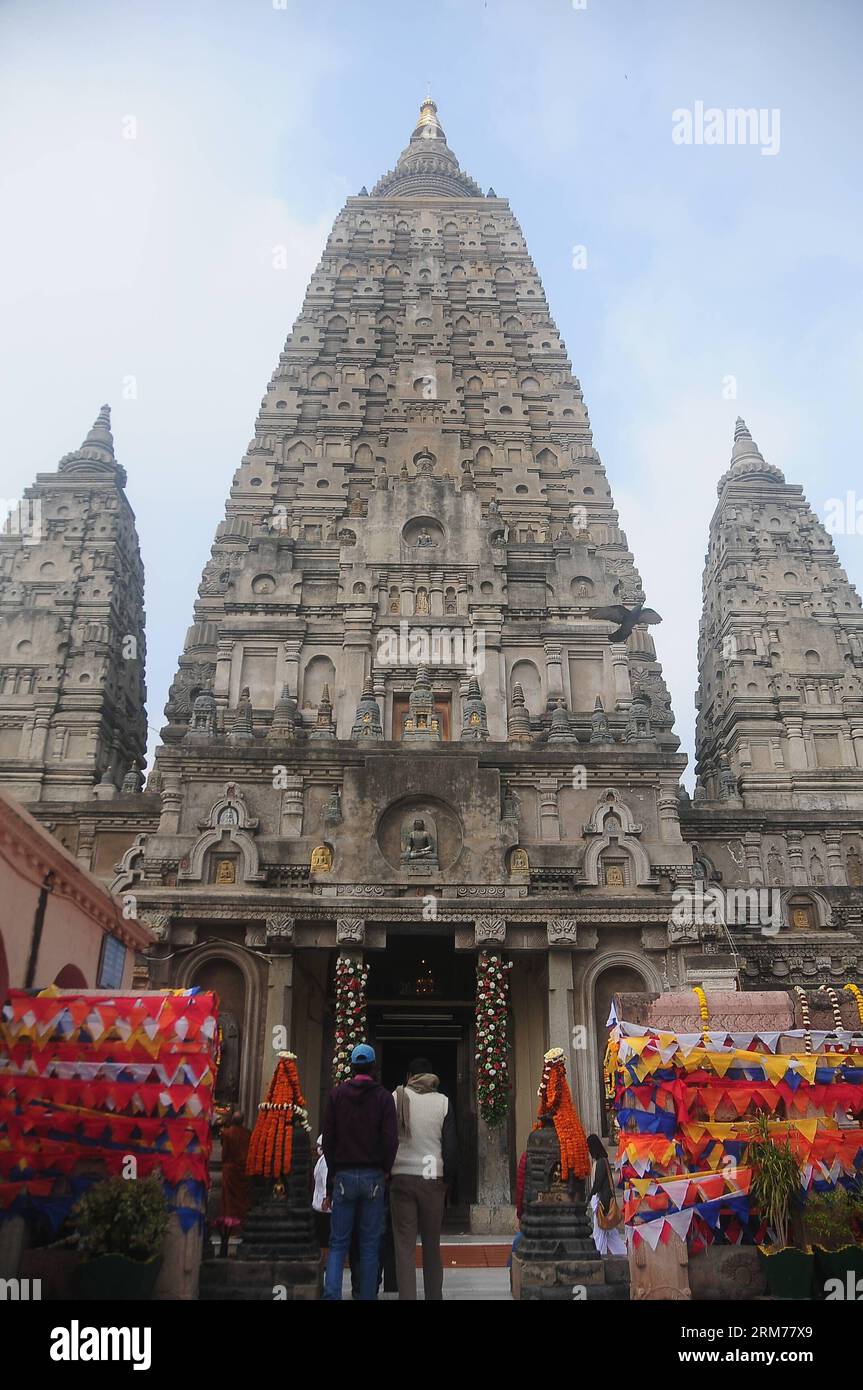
(669, 817)
(356, 663)
(549, 813)
(794, 840)
(39, 737)
(222, 680)
(554, 674)
(292, 807)
(752, 853)
(835, 868)
(172, 800)
(847, 749)
(796, 742)
(560, 1006)
(493, 1213)
(292, 647)
(278, 1027)
(436, 589)
(857, 740)
(620, 674)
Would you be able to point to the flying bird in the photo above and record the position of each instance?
(627, 618)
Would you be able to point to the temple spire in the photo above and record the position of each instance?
(427, 167)
(96, 454)
(428, 127)
(746, 457)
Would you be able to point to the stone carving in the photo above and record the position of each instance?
(419, 843)
(332, 812)
(159, 924)
(367, 722)
(321, 861)
(518, 722)
(519, 861)
(241, 729)
(283, 728)
(228, 826)
(350, 929)
(202, 724)
(560, 731)
(421, 723)
(324, 728)
(474, 717)
(488, 928)
(280, 925)
(600, 731)
(562, 931)
(132, 782)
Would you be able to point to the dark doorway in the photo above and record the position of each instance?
(420, 1004)
(396, 1057)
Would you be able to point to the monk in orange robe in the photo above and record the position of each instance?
(235, 1185)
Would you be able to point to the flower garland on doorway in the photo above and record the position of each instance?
(351, 980)
(555, 1104)
(271, 1146)
(492, 1008)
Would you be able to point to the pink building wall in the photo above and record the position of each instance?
(79, 913)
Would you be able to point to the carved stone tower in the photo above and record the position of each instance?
(780, 652)
(72, 721)
(775, 825)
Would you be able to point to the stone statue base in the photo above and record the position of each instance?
(557, 1260)
(279, 1258)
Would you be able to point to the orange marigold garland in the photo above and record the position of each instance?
(271, 1146)
(555, 1103)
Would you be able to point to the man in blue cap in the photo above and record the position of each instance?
(360, 1140)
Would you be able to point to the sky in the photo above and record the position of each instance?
(151, 157)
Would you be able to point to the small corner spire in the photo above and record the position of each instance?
(101, 430)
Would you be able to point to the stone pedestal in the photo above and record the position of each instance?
(557, 1261)
(279, 1258)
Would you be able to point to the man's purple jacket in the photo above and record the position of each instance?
(360, 1129)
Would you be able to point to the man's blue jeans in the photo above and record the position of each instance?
(358, 1196)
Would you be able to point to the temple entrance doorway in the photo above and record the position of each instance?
(420, 1004)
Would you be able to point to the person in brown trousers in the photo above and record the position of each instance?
(425, 1166)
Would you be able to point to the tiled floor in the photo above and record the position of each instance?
(460, 1285)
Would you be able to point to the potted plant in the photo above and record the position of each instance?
(834, 1227)
(777, 1197)
(122, 1225)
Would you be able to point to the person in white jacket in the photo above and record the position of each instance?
(424, 1168)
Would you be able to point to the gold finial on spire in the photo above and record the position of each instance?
(428, 112)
